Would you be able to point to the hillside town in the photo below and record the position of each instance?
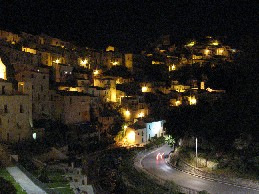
(80, 101)
(45, 78)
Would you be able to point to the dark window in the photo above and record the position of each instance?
(3, 89)
(44, 76)
(32, 76)
(21, 109)
(5, 109)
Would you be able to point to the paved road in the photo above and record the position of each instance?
(24, 181)
(164, 171)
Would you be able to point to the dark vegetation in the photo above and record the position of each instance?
(6, 187)
(116, 173)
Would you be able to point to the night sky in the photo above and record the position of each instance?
(130, 25)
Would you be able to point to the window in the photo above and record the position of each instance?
(3, 89)
(44, 77)
(5, 109)
(0, 121)
(21, 109)
(142, 133)
(32, 76)
(32, 87)
(149, 127)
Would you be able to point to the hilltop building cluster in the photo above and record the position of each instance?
(42, 77)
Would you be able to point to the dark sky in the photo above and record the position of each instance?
(130, 24)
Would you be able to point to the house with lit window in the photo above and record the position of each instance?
(111, 57)
(9, 37)
(109, 84)
(35, 83)
(133, 107)
(207, 49)
(15, 114)
(15, 110)
(143, 130)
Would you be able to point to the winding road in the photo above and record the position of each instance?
(160, 169)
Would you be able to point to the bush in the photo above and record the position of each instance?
(6, 187)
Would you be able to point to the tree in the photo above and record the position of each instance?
(170, 141)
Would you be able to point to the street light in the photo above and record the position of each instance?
(196, 152)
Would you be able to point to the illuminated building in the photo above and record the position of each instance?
(15, 110)
(35, 83)
(109, 84)
(143, 130)
(133, 107)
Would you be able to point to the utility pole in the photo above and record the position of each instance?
(196, 152)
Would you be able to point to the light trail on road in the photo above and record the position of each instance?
(162, 170)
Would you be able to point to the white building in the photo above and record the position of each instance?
(142, 131)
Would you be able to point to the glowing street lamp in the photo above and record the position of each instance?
(84, 62)
(144, 89)
(115, 63)
(177, 103)
(96, 72)
(206, 51)
(57, 61)
(192, 100)
(127, 112)
(140, 115)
